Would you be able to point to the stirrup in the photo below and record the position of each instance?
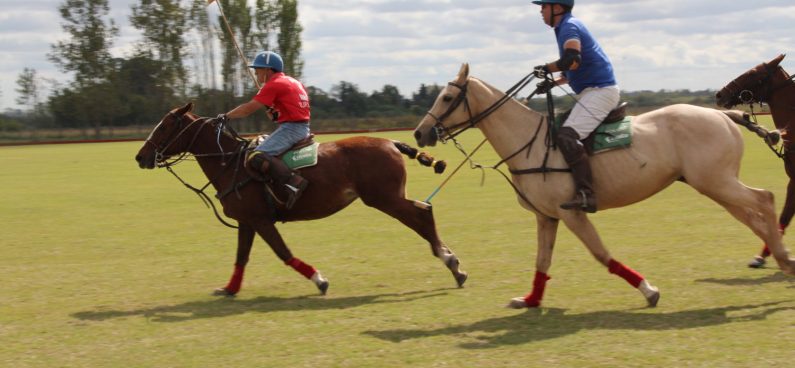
(581, 202)
(293, 193)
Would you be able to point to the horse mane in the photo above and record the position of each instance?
(499, 93)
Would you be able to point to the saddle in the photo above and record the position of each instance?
(308, 141)
(615, 115)
(612, 132)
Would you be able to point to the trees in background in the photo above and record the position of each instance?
(163, 24)
(86, 53)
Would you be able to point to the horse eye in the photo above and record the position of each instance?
(447, 98)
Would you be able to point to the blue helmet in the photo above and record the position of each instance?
(268, 59)
(569, 3)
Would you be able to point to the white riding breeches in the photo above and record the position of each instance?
(593, 105)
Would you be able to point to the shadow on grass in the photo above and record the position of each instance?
(224, 306)
(549, 323)
(747, 281)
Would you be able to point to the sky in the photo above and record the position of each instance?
(653, 44)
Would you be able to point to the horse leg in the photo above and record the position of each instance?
(423, 223)
(755, 209)
(786, 212)
(582, 227)
(547, 230)
(789, 203)
(245, 239)
(270, 234)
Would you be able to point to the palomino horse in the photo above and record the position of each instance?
(699, 146)
(360, 167)
(769, 83)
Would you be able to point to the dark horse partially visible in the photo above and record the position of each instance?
(360, 167)
(768, 83)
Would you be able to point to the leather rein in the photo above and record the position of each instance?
(237, 153)
(444, 133)
(747, 97)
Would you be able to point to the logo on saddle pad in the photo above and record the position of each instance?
(302, 157)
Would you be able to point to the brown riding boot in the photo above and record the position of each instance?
(276, 169)
(574, 154)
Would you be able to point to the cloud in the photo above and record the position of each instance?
(672, 44)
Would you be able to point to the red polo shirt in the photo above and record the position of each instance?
(288, 96)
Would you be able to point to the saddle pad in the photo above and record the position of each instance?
(302, 157)
(613, 135)
(607, 136)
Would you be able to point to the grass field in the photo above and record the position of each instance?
(107, 265)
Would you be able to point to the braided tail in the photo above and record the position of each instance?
(424, 158)
(743, 119)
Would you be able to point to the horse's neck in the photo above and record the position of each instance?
(511, 127)
(213, 163)
(782, 107)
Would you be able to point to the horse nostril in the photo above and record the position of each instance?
(417, 134)
(138, 158)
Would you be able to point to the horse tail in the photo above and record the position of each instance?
(743, 119)
(424, 158)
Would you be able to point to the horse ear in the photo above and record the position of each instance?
(185, 109)
(777, 60)
(463, 74)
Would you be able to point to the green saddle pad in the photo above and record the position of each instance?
(302, 157)
(608, 136)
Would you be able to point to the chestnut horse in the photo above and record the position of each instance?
(702, 147)
(768, 83)
(359, 167)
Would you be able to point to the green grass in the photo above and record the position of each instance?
(106, 265)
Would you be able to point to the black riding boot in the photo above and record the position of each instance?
(574, 153)
(263, 164)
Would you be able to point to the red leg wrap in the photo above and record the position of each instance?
(539, 283)
(237, 280)
(626, 273)
(301, 267)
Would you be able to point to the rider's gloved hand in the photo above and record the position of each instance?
(222, 118)
(541, 71)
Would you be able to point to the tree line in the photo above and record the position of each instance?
(183, 55)
(186, 55)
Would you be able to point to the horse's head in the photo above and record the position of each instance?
(450, 107)
(753, 86)
(168, 138)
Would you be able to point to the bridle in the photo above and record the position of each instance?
(445, 133)
(755, 91)
(161, 161)
(759, 91)
(176, 134)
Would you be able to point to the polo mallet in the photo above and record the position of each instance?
(232, 36)
(426, 205)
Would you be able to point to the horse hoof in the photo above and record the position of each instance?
(223, 292)
(757, 262)
(461, 278)
(517, 303)
(323, 287)
(653, 299)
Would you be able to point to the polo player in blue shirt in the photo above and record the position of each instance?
(587, 69)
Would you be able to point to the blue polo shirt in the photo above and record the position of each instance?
(595, 69)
